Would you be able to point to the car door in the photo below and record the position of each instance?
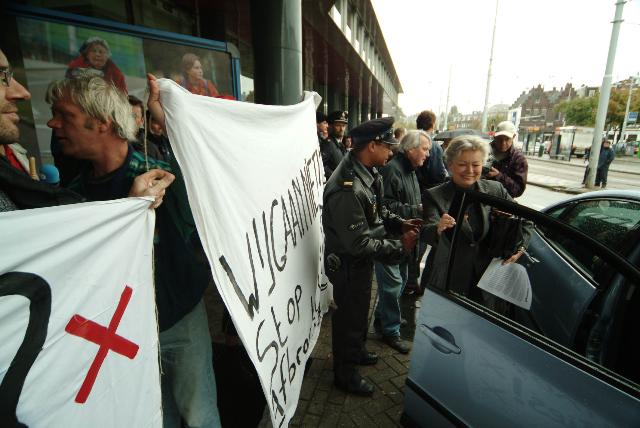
(472, 366)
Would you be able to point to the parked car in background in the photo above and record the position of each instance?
(572, 359)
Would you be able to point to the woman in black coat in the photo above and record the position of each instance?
(464, 157)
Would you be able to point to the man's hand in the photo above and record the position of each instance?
(446, 222)
(153, 183)
(412, 224)
(409, 240)
(154, 105)
(493, 172)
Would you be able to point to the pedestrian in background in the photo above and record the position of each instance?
(356, 227)
(607, 156)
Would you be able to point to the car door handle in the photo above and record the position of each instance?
(441, 339)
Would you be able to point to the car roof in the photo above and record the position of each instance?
(630, 194)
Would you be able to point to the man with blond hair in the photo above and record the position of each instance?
(93, 121)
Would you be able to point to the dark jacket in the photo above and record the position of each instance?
(355, 224)
(401, 189)
(332, 154)
(25, 192)
(472, 255)
(181, 270)
(606, 157)
(433, 171)
(513, 172)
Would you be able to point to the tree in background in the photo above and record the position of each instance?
(493, 121)
(582, 111)
(579, 111)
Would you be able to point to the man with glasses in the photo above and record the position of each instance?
(17, 189)
(356, 228)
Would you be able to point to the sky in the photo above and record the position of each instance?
(547, 42)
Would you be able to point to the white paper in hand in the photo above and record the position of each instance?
(509, 282)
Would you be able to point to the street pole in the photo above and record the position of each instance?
(485, 112)
(626, 111)
(446, 107)
(605, 91)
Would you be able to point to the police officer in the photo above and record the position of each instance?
(356, 228)
(333, 150)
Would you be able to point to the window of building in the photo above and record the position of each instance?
(55, 50)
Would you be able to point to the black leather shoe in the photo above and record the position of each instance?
(357, 385)
(397, 343)
(368, 359)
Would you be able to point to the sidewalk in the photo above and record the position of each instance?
(624, 165)
(629, 165)
(323, 405)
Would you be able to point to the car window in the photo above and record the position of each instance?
(614, 223)
(606, 220)
(564, 291)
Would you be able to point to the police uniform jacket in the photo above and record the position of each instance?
(332, 154)
(355, 223)
(401, 188)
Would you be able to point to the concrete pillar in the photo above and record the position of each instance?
(277, 46)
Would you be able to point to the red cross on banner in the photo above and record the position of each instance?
(106, 338)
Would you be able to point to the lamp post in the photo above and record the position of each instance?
(632, 81)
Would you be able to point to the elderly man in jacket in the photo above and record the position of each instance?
(401, 197)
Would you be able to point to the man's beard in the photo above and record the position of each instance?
(9, 132)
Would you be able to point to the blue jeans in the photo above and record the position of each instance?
(188, 382)
(391, 282)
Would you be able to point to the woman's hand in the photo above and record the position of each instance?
(446, 222)
(514, 258)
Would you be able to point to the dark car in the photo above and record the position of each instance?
(572, 359)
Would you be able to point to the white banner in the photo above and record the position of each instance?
(77, 317)
(255, 178)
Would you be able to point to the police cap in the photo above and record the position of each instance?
(374, 130)
(339, 116)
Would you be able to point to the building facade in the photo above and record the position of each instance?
(249, 49)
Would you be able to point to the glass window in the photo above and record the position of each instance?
(336, 16)
(611, 222)
(53, 51)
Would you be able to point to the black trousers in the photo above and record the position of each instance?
(349, 323)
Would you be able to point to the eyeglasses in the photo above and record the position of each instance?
(6, 74)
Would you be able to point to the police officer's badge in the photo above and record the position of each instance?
(355, 226)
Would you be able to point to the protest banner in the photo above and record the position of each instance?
(255, 178)
(77, 317)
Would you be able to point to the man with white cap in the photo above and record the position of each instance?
(509, 166)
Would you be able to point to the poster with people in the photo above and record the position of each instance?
(53, 51)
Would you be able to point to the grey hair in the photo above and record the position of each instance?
(99, 99)
(411, 140)
(465, 143)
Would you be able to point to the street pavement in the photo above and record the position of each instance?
(565, 176)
